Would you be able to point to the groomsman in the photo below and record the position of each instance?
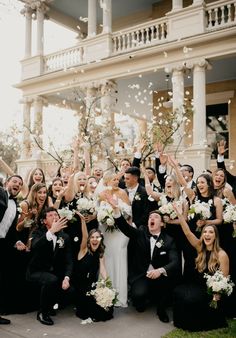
(156, 263)
(137, 196)
(8, 238)
(51, 263)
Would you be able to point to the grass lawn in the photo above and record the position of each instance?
(229, 332)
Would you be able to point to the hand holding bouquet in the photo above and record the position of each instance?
(218, 284)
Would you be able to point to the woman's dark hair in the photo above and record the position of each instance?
(31, 181)
(210, 184)
(50, 193)
(101, 247)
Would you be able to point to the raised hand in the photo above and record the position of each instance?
(221, 147)
(58, 225)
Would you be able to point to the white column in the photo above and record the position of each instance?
(199, 99)
(92, 18)
(26, 148)
(107, 15)
(178, 102)
(38, 120)
(108, 102)
(27, 11)
(177, 4)
(40, 30)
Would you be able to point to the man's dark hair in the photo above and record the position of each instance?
(133, 171)
(46, 211)
(15, 175)
(188, 167)
(152, 169)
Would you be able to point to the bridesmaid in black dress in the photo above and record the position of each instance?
(88, 267)
(191, 310)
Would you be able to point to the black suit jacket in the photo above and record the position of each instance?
(11, 236)
(165, 256)
(46, 259)
(231, 179)
(140, 207)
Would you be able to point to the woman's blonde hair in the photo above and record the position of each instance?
(201, 260)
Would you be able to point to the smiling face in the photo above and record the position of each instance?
(14, 185)
(208, 236)
(94, 241)
(38, 176)
(57, 187)
(219, 178)
(41, 195)
(154, 223)
(202, 186)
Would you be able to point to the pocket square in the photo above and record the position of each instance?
(163, 253)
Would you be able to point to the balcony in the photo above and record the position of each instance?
(188, 22)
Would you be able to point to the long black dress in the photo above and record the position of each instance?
(86, 273)
(191, 310)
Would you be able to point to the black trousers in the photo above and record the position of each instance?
(158, 291)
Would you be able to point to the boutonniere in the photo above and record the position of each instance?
(160, 243)
(137, 197)
(19, 210)
(61, 242)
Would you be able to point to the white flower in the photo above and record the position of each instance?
(159, 244)
(66, 212)
(105, 216)
(218, 283)
(104, 294)
(85, 205)
(137, 197)
(60, 242)
(200, 210)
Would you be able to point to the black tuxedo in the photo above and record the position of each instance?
(231, 179)
(140, 206)
(49, 266)
(164, 256)
(7, 254)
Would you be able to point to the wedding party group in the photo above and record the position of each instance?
(139, 236)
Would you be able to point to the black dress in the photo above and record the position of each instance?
(191, 310)
(86, 273)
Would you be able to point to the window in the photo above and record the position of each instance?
(217, 126)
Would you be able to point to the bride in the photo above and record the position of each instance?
(116, 242)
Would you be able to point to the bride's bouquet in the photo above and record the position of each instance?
(218, 284)
(229, 216)
(166, 208)
(105, 216)
(104, 294)
(67, 213)
(200, 210)
(85, 206)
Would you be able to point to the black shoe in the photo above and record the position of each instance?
(44, 319)
(140, 308)
(4, 321)
(163, 316)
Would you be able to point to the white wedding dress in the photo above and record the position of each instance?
(116, 257)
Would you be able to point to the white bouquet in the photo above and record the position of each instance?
(67, 213)
(85, 206)
(166, 208)
(200, 210)
(104, 294)
(229, 216)
(105, 216)
(218, 284)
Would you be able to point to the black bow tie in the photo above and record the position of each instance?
(155, 237)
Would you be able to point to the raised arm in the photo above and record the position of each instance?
(193, 240)
(83, 245)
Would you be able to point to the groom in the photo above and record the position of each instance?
(156, 263)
